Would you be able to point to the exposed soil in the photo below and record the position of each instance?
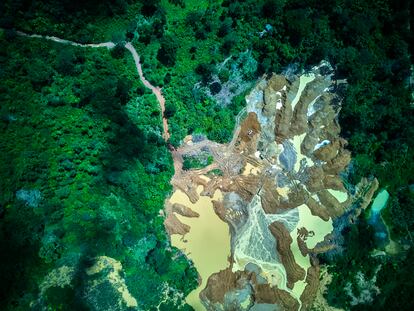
(275, 163)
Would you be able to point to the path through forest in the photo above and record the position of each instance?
(154, 89)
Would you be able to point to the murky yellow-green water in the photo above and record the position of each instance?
(339, 195)
(304, 79)
(249, 169)
(313, 223)
(297, 141)
(208, 242)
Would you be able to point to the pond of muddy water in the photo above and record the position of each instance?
(207, 243)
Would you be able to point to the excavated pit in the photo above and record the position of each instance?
(277, 196)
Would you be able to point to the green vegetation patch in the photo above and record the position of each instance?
(197, 161)
(215, 172)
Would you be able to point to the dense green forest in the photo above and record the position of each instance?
(85, 170)
(85, 174)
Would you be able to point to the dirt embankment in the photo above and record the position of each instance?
(226, 282)
(294, 272)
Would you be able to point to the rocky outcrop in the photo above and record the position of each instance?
(303, 248)
(275, 84)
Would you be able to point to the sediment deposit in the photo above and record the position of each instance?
(280, 190)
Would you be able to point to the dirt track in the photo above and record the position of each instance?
(155, 89)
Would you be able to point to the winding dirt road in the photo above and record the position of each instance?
(108, 45)
(154, 89)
